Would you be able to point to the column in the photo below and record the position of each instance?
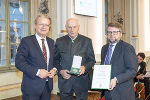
(134, 18)
(62, 16)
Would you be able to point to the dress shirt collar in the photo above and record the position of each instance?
(114, 44)
(38, 37)
(73, 39)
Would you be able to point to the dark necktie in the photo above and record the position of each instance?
(108, 55)
(44, 50)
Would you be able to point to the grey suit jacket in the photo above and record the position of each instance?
(65, 50)
(29, 59)
(124, 68)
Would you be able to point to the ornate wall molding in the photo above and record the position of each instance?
(9, 87)
(117, 13)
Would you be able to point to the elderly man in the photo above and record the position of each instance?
(68, 46)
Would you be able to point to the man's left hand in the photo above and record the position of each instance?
(113, 83)
(82, 70)
(52, 73)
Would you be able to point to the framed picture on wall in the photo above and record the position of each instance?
(85, 7)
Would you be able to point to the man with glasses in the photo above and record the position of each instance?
(35, 59)
(122, 58)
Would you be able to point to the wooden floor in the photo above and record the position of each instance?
(91, 96)
(54, 97)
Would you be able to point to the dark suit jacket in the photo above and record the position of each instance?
(124, 68)
(142, 70)
(65, 50)
(29, 59)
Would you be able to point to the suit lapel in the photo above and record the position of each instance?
(116, 52)
(37, 47)
(105, 51)
(50, 46)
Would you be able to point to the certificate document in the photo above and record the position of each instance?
(101, 77)
(76, 64)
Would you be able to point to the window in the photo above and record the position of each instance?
(13, 27)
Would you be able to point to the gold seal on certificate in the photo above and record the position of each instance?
(101, 77)
(76, 64)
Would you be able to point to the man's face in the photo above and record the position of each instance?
(42, 27)
(113, 34)
(140, 59)
(72, 28)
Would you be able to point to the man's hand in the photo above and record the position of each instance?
(141, 76)
(82, 70)
(52, 73)
(65, 74)
(113, 83)
(43, 73)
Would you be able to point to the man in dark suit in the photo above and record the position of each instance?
(141, 67)
(68, 46)
(124, 65)
(35, 59)
(140, 77)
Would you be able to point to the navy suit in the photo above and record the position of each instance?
(29, 59)
(124, 68)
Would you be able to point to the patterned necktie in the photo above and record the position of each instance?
(44, 50)
(108, 55)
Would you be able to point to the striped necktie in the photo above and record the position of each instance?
(44, 50)
(108, 55)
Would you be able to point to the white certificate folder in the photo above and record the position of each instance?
(101, 77)
(76, 64)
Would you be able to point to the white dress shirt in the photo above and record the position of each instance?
(46, 45)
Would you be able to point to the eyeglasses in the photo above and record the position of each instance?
(112, 32)
(42, 25)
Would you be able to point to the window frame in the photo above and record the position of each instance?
(9, 67)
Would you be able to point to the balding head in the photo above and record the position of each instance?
(72, 20)
(72, 27)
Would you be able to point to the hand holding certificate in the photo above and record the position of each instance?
(76, 64)
(101, 77)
